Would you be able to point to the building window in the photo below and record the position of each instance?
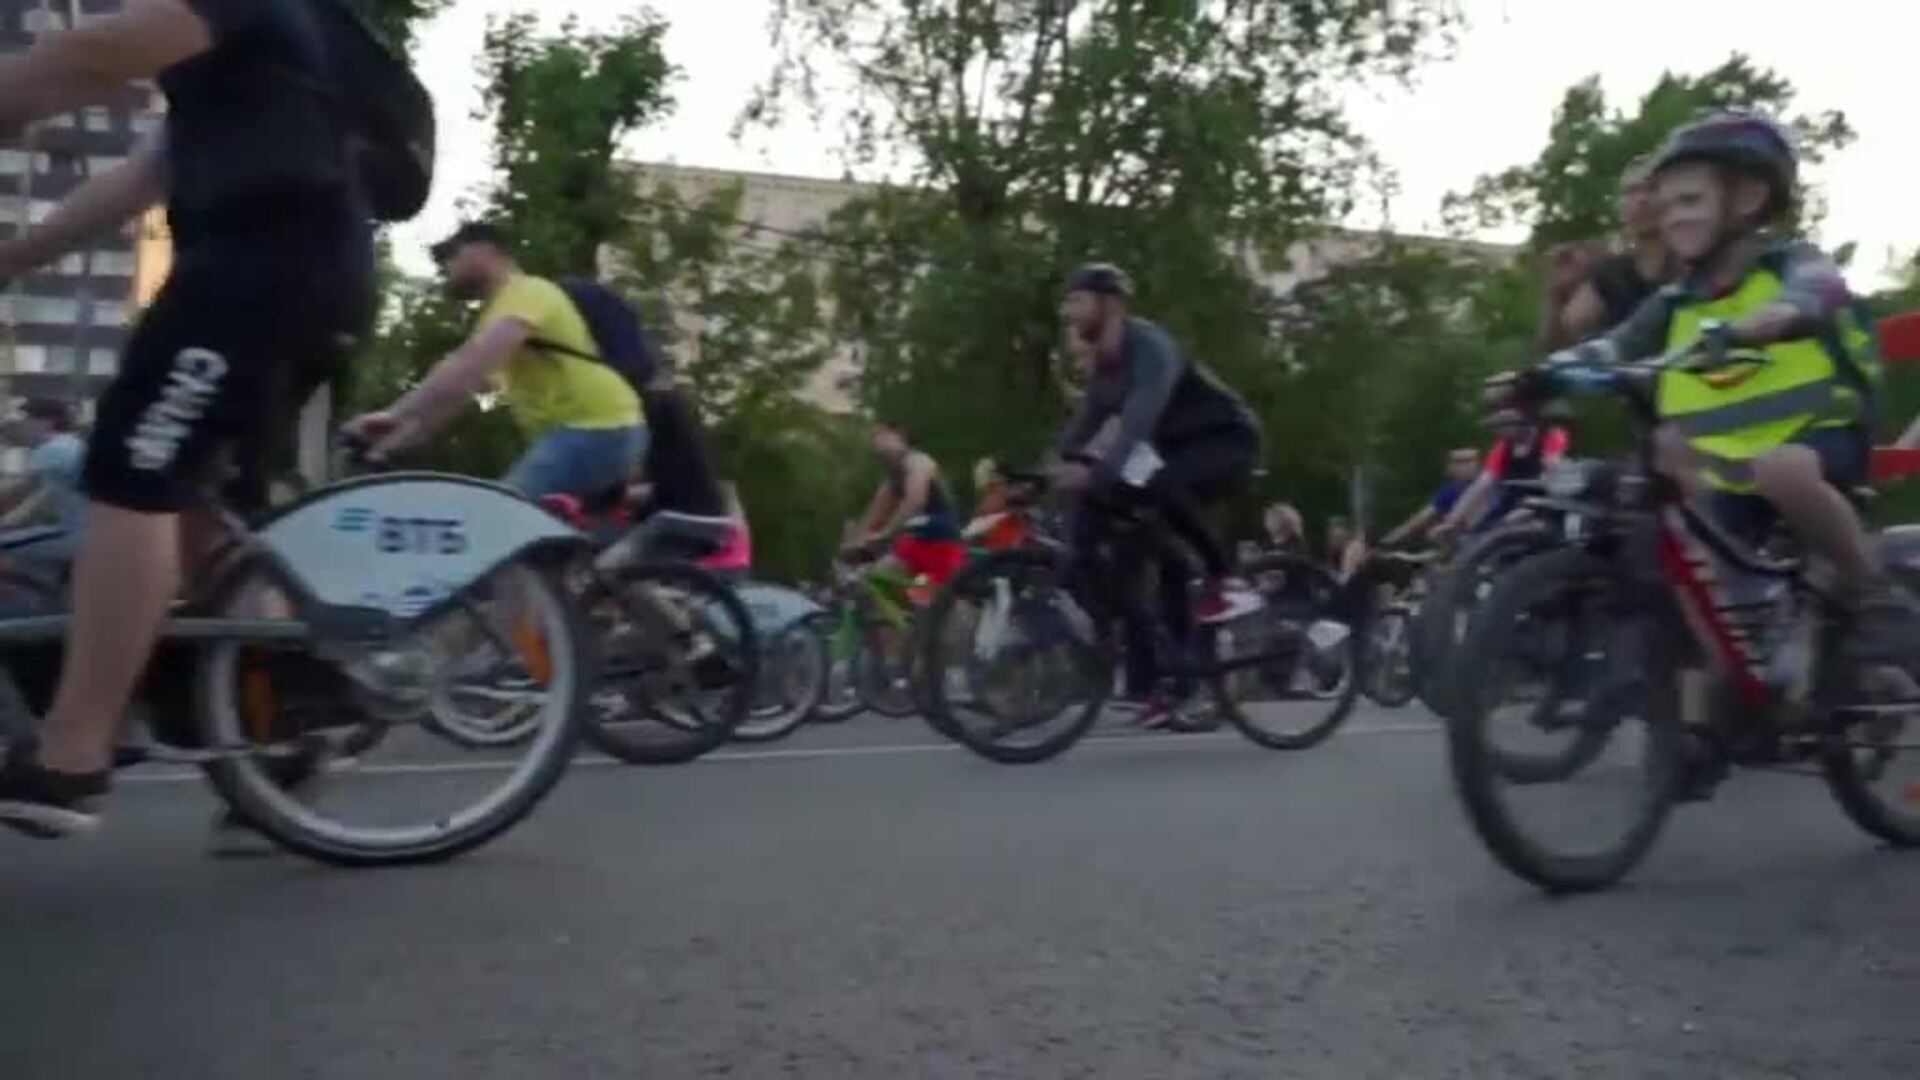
(113, 263)
(59, 360)
(13, 459)
(99, 118)
(58, 310)
(40, 20)
(101, 362)
(145, 123)
(87, 410)
(29, 359)
(109, 313)
(61, 120)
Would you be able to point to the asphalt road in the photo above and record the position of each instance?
(861, 902)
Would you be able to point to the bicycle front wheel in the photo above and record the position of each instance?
(1006, 672)
(294, 785)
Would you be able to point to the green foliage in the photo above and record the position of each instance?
(743, 316)
(1182, 140)
(560, 106)
(399, 19)
(1567, 194)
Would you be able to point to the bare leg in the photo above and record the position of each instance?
(125, 579)
(1790, 478)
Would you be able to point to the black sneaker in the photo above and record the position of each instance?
(45, 804)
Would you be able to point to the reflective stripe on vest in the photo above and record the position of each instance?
(1799, 386)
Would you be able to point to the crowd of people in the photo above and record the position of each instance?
(239, 334)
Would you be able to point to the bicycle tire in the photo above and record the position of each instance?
(254, 795)
(710, 733)
(797, 643)
(836, 707)
(1446, 614)
(1390, 697)
(1477, 772)
(1313, 734)
(879, 687)
(939, 711)
(1846, 772)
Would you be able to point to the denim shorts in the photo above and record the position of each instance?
(578, 461)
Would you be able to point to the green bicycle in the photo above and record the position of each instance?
(869, 624)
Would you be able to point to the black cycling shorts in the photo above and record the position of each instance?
(249, 324)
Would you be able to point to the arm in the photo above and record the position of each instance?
(14, 494)
(1643, 335)
(1416, 522)
(877, 511)
(104, 202)
(1086, 420)
(67, 70)
(1153, 370)
(27, 508)
(1813, 292)
(913, 500)
(1473, 502)
(454, 381)
(1352, 558)
(1582, 316)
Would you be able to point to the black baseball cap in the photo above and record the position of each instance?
(473, 232)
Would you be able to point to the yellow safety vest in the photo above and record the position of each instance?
(1734, 415)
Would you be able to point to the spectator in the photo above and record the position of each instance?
(1346, 548)
(1286, 532)
(1463, 463)
(52, 483)
(1589, 295)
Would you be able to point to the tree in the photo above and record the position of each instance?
(741, 309)
(398, 19)
(1567, 194)
(1183, 140)
(560, 106)
(1379, 370)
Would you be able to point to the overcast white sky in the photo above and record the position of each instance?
(1486, 108)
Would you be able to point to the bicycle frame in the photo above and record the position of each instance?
(1688, 550)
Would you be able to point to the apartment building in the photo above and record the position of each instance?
(61, 329)
(773, 204)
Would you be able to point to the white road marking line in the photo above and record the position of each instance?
(183, 776)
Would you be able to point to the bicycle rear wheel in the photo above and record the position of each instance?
(1288, 684)
(682, 664)
(287, 786)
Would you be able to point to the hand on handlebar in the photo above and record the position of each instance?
(1072, 476)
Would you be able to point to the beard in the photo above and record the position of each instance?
(464, 289)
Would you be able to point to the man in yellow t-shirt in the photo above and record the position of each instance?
(582, 420)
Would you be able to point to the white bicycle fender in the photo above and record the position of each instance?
(403, 542)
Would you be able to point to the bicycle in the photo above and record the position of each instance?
(1028, 654)
(682, 652)
(1609, 623)
(379, 573)
(1545, 517)
(1393, 666)
(869, 627)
